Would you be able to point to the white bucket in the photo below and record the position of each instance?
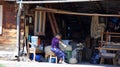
(34, 41)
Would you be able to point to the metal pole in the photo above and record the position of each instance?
(18, 28)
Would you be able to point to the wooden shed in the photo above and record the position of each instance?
(93, 23)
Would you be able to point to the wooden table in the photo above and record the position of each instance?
(109, 47)
(112, 49)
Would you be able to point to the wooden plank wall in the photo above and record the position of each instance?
(8, 36)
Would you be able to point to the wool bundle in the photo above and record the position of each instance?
(68, 48)
(47, 49)
(96, 27)
(73, 61)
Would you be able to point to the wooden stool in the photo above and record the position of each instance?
(51, 55)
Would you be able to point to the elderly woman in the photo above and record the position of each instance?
(56, 49)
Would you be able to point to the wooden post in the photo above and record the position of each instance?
(107, 37)
(102, 33)
(18, 29)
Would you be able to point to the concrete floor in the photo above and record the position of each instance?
(45, 64)
(7, 52)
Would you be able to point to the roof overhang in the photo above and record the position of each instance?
(9, 0)
(54, 1)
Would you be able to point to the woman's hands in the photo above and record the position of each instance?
(63, 44)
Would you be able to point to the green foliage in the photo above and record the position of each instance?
(1, 65)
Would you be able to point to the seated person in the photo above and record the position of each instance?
(56, 49)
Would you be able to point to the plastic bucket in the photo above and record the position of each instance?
(34, 41)
(68, 55)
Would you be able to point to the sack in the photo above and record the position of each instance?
(95, 57)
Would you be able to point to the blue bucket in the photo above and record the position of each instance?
(53, 60)
(34, 41)
(37, 58)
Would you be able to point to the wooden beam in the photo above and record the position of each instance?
(112, 49)
(44, 20)
(52, 26)
(55, 23)
(115, 36)
(50, 10)
(111, 33)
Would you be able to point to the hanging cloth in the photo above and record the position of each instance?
(94, 25)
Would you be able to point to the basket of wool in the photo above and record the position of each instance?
(47, 49)
(73, 61)
(68, 48)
